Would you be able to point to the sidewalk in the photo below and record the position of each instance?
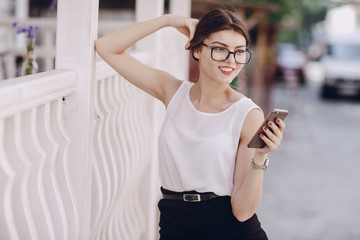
(311, 189)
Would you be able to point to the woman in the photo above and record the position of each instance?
(211, 181)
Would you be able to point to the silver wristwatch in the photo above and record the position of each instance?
(261, 167)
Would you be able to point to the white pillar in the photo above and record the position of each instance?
(145, 10)
(5, 12)
(5, 8)
(21, 9)
(77, 23)
(21, 12)
(178, 41)
(182, 7)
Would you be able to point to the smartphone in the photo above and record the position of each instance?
(256, 141)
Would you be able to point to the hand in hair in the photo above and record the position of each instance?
(185, 25)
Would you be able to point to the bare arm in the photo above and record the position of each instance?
(112, 49)
(248, 182)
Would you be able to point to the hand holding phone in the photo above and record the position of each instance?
(256, 141)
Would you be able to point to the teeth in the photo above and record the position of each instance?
(226, 69)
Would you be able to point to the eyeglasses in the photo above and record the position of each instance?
(221, 54)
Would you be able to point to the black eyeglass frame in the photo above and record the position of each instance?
(229, 52)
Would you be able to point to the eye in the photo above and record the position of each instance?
(219, 49)
(240, 51)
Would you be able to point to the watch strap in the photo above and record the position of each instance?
(261, 167)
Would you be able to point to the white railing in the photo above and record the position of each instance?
(36, 195)
(37, 199)
(124, 147)
(78, 152)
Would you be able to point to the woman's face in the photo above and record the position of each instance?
(220, 71)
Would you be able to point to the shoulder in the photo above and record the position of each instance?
(245, 106)
(172, 87)
(253, 120)
(254, 115)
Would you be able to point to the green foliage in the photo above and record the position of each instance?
(283, 8)
(295, 17)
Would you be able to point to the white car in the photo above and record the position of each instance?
(290, 58)
(341, 65)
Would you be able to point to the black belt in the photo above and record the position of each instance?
(191, 197)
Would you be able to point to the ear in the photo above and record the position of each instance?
(196, 54)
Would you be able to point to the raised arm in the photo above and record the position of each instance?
(112, 49)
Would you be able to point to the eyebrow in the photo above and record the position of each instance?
(225, 45)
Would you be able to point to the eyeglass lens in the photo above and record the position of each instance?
(221, 54)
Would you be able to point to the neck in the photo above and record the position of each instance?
(210, 92)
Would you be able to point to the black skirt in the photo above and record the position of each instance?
(211, 219)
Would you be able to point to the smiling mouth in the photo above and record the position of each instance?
(227, 70)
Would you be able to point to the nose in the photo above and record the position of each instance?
(231, 58)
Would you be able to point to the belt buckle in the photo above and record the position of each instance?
(191, 197)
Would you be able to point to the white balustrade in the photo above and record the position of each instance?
(78, 154)
(123, 142)
(36, 196)
(37, 199)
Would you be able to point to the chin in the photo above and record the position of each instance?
(224, 81)
(228, 79)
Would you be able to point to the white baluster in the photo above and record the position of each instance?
(37, 154)
(101, 158)
(50, 126)
(7, 226)
(24, 178)
(110, 132)
(66, 186)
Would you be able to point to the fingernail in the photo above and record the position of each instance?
(278, 120)
(270, 123)
(261, 135)
(264, 128)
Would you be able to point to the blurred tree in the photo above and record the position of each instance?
(293, 20)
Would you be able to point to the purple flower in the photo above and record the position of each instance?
(20, 30)
(14, 24)
(30, 30)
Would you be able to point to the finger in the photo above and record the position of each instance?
(192, 28)
(269, 134)
(281, 124)
(187, 45)
(276, 130)
(270, 144)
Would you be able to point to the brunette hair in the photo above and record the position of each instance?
(214, 21)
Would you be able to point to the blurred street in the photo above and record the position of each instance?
(311, 190)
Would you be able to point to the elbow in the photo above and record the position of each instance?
(103, 48)
(242, 215)
(96, 45)
(99, 47)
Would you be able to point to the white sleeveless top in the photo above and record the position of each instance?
(197, 150)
